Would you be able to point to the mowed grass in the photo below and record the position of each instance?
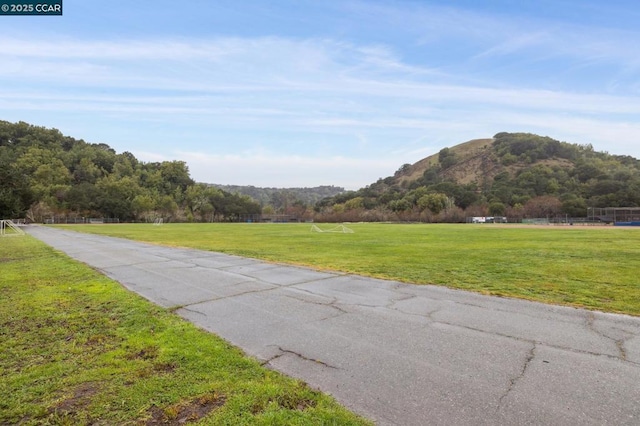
(591, 267)
(77, 348)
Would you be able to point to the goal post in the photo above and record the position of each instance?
(340, 229)
(9, 229)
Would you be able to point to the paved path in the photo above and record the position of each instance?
(398, 354)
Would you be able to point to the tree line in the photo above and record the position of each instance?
(44, 173)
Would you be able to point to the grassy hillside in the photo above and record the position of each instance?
(471, 156)
(519, 175)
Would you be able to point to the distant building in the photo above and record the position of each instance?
(489, 219)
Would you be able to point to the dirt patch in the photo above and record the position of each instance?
(80, 399)
(148, 353)
(185, 413)
(304, 404)
(288, 402)
(165, 367)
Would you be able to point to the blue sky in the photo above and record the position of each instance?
(306, 93)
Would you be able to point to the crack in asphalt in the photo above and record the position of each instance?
(339, 314)
(395, 301)
(513, 381)
(241, 261)
(521, 339)
(332, 304)
(272, 266)
(334, 299)
(621, 348)
(400, 287)
(428, 315)
(537, 342)
(619, 343)
(265, 290)
(127, 265)
(283, 352)
(188, 309)
(231, 296)
(224, 268)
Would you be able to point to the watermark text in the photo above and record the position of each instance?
(35, 7)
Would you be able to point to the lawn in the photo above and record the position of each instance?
(77, 348)
(590, 267)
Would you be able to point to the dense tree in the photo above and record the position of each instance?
(431, 175)
(543, 206)
(497, 208)
(115, 196)
(354, 203)
(200, 199)
(434, 202)
(44, 173)
(404, 169)
(574, 206)
(175, 175)
(447, 158)
(143, 206)
(86, 171)
(15, 193)
(82, 199)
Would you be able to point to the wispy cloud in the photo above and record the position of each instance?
(327, 108)
(516, 44)
(335, 87)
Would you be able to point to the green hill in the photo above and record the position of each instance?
(514, 174)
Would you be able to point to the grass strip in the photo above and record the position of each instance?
(589, 267)
(77, 348)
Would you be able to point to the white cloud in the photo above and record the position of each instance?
(369, 106)
(267, 169)
(261, 71)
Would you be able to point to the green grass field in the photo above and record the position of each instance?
(77, 348)
(591, 267)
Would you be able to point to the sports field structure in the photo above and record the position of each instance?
(620, 216)
(8, 228)
(592, 267)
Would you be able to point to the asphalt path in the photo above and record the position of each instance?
(398, 354)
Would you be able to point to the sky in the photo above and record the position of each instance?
(304, 93)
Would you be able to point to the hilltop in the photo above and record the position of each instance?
(514, 174)
(471, 159)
